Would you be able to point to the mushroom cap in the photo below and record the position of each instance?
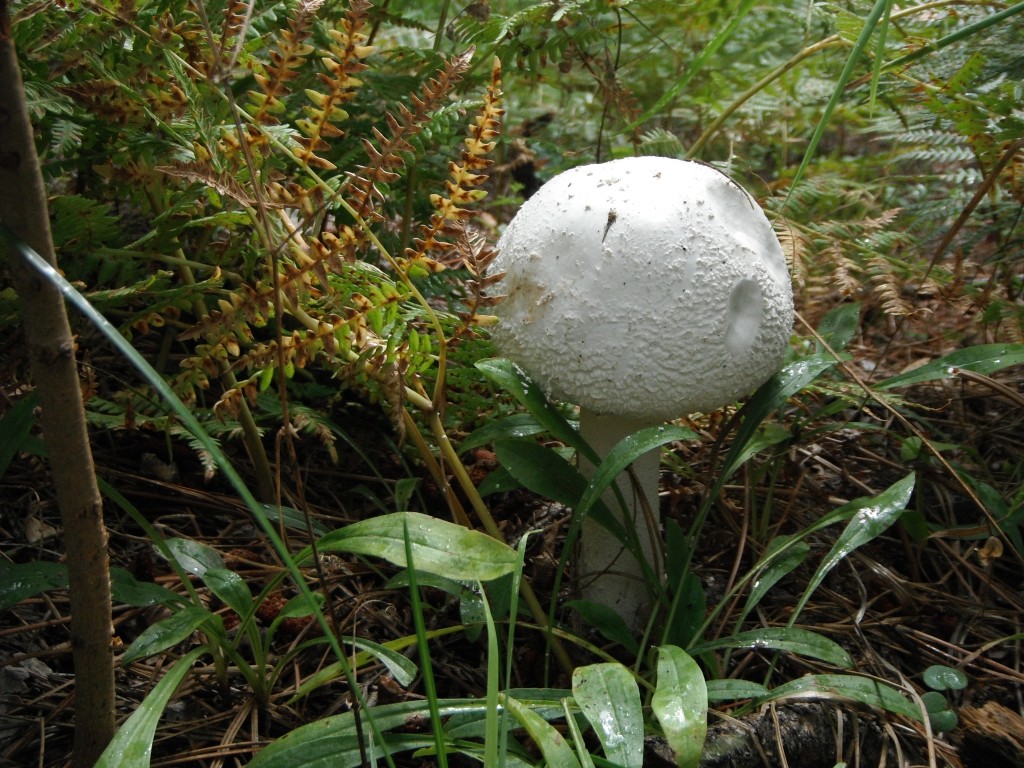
(645, 287)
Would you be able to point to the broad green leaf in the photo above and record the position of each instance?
(872, 518)
(984, 359)
(607, 621)
(609, 697)
(765, 436)
(166, 633)
(866, 690)
(545, 472)
(788, 639)
(438, 546)
(549, 741)
(388, 654)
(231, 589)
(401, 667)
(195, 557)
(300, 606)
(941, 717)
(517, 425)
(514, 380)
(125, 588)
(542, 470)
(690, 608)
(20, 581)
(680, 703)
(734, 690)
(769, 397)
(15, 427)
(498, 481)
(132, 745)
(293, 518)
(625, 452)
(839, 325)
(783, 555)
(942, 678)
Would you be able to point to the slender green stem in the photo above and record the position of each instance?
(491, 527)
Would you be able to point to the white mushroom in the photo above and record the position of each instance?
(641, 290)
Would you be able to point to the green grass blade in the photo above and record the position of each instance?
(872, 518)
(876, 71)
(625, 452)
(802, 642)
(168, 632)
(866, 690)
(586, 761)
(954, 37)
(983, 359)
(192, 424)
(697, 64)
(423, 644)
(132, 745)
(784, 554)
(514, 380)
(556, 750)
(877, 11)
(491, 735)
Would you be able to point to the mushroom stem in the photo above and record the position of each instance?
(608, 573)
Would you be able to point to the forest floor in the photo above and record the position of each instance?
(898, 604)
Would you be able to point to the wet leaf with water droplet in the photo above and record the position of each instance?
(610, 700)
(941, 678)
(680, 703)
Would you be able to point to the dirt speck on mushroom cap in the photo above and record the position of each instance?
(644, 287)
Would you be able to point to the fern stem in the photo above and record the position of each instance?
(491, 527)
(756, 88)
(251, 437)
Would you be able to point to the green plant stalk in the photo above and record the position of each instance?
(192, 424)
(953, 37)
(756, 88)
(250, 431)
(695, 66)
(51, 350)
(424, 649)
(876, 70)
(872, 20)
(491, 527)
(800, 56)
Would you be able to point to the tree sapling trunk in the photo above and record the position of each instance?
(51, 349)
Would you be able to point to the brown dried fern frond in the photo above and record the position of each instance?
(463, 186)
(343, 61)
(291, 54)
(363, 194)
(888, 287)
(846, 273)
(236, 22)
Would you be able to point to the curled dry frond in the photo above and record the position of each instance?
(446, 230)
(364, 194)
(343, 61)
(290, 55)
